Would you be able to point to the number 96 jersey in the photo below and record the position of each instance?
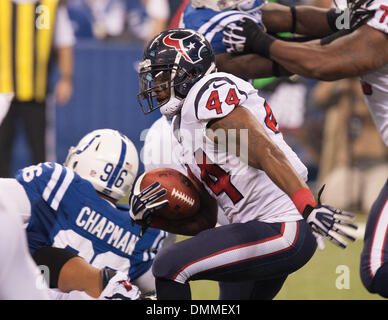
(243, 192)
(67, 212)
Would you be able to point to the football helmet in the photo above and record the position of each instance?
(248, 6)
(107, 159)
(173, 62)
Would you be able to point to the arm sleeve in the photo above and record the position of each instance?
(49, 181)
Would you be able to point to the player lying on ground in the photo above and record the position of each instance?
(73, 222)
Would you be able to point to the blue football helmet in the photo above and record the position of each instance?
(173, 62)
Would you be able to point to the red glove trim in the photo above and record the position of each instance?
(302, 198)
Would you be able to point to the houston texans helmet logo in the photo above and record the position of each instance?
(189, 47)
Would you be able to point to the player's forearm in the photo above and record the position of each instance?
(307, 60)
(77, 274)
(249, 66)
(308, 20)
(65, 63)
(351, 55)
(280, 170)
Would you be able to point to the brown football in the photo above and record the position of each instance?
(183, 198)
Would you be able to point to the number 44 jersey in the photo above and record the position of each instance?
(67, 212)
(243, 192)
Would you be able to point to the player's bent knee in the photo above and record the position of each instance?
(164, 266)
(379, 283)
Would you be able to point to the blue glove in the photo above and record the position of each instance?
(327, 222)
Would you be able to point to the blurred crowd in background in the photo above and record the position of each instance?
(326, 123)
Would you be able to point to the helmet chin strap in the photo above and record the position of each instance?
(172, 107)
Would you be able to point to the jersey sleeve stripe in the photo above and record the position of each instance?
(209, 35)
(213, 22)
(55, 176)
(62, 189)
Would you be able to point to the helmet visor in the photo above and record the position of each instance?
(155, 87)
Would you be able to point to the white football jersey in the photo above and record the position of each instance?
(244, 193)
(161, 149)
(375, 84)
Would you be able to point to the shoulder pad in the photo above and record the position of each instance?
(218, 97)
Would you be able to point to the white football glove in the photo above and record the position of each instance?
(143, 202)
(119, 288)
(327, 222)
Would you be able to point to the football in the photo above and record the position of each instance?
(183, 198)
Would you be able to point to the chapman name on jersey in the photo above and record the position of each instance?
(67, 212)
(211, 23)
(244, 193)
(375, 84)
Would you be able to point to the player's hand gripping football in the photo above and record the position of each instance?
(327, 222)
(143, 202)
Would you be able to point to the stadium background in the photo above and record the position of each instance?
(105, 89)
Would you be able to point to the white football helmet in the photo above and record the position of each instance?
(247, 6)
(107, 159)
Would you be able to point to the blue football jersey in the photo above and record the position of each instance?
(211, 23)
(67, 212)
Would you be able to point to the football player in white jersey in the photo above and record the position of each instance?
(358, 50)
(257, 180)
(74, 225)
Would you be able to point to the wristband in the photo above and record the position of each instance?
(262, 43)
(302, 198)
(275, 69)
(107, 274)
(332, 16)
(293, 16)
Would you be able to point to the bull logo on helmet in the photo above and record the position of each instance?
(189, 47)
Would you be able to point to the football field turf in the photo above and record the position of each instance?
(331, 274)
